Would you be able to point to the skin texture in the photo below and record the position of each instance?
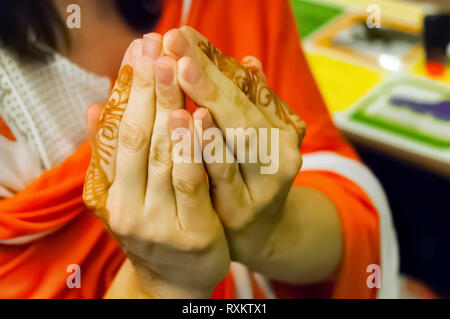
(252, 85)
(170, 222)
(159, 212)
(254, 215)
(97, 182)
(305, 244)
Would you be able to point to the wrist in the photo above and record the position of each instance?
(254, 245)
(151, 286)
(137, 282)
(306, 244)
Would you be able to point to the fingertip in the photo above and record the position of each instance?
(252, 63)
(175, 43)
(204, 116)
(153, 35)
(189, 71)
(186, 28)
(247, 59)
(152, 45)
(179, 118)
(200, 113)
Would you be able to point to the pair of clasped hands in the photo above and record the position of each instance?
(181, 223)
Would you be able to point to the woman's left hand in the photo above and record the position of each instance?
(249, 193)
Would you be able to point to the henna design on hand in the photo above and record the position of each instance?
(97, 182)
(253, 86)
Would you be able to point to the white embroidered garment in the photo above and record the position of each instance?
(44, 105)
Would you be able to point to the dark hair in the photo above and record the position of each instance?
(31, 27)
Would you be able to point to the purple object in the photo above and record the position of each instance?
(440, 110)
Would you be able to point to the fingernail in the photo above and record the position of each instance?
(164, 71)
(176, 42)
(179, 119)
(247, 59)
(192, 73)
(204, 115)
(151, 45)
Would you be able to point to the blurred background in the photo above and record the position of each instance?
(383, 69)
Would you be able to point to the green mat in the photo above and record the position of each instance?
(414, 131)
(311, 15)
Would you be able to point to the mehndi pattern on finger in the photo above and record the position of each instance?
(253, 86)
(97, 182)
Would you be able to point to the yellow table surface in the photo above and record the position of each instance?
(340, 91)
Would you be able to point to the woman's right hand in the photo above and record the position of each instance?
(159, 211)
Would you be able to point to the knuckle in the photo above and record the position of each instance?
(160, 172)
(236, 222)
(187, 201)
(201, 241)
(120, 226)
(169, 97)
(296, 164)
(144, 74)
(188, 29)
(120, 221)
(185, 184)
(160, 154)
(142, 87)
(132, 136)
(226, 172)
(300, 129)
(301, 126)
(299, 163)
(258, 63)
(293, 160)
(207, 91)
